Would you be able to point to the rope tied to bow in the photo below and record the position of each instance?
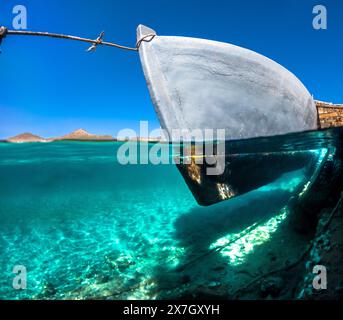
(147, 38)
(99, 41)
(3, 33)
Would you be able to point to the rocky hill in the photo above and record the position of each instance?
(26, 137)
(82, 134)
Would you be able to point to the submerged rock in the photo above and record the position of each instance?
(271, 286)
(214, 284)
(120, 263)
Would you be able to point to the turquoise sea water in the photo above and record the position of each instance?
(85, 226)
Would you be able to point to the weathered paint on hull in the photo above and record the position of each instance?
(202, 84)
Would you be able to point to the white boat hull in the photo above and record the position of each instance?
(202, 84)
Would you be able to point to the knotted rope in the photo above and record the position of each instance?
(99, 41)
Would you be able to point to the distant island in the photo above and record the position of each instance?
(82, 134)
(26, 137)
(77, 135)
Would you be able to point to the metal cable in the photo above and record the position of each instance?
(99, 41)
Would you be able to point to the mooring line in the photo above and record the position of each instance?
(4, 32)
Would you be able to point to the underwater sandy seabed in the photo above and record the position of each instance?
(87, 227)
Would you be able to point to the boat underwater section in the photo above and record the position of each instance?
(253, 163)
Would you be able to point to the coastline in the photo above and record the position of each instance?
(79, 140)
(79, 135)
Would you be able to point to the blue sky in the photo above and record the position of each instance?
(51, 87)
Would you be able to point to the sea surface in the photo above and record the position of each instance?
(85, 226)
